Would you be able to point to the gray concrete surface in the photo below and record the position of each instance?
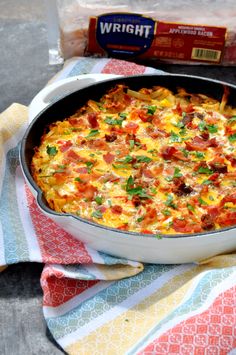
(24, 71)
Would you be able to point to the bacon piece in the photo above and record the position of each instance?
(199, 144)
(116, 209)
(218, 167)
(229, 198)
(82, 170)
(92, 119)
(109, 158)
(183, 226)
(180, 188)
(72, 156)
(232, 160)
(131, 127)
(64, 145)
(207, 222)
(226, 219)
(178, 109)
(109, 177)
(156, 132)
(98, 143)
(86, 190)
(150, 216)
(170, 152)
(110, 137)
(136, 200)
(116, 100)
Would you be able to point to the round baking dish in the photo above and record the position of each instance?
(178, 248)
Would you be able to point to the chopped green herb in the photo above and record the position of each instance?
(151, 109)
(153, 190)
(179, 124)
(154, 152)
(158, 236)
(212, 128)
(128, 159)
(89, 165)
(113, 121)
(166, 212)
(174, 137)
(99, 200)
(51, 150)
(202, 126)
(169, 201)
(123, 115)
(204, 170)
(232, 119)
(97, 214)
(177, 173)
(120, 166)
(78, 179)
(131, 144)
(190, 207)
(199, 155)
(207, 182)
(202, 202)
(232, 138)
(143, 159)
(140, 219)
(92, 133)
(184, 151)
(211, 198)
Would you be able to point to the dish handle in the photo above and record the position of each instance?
(55, 91)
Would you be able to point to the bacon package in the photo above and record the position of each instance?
(183, 32)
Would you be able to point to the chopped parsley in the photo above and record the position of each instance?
(143, 159)
(166, 212)
(98, 200)
(114, 121)
(174, 137)
(89, 165)
(202, 202)
(199, 155)
(131, 144)
(51, 151)
(232, 120)
(205, 170)
(151, 109)
(190, 207)
(177, 174)
(92, 133)
(140, 219)
(138, 190)
(78, 179)
(232, 138)
(97, 214)
(212, 128)
(169, 201)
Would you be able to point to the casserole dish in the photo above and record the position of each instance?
(178, 248)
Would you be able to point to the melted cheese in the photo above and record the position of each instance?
(153, 166)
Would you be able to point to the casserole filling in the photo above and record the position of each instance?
(147, 161)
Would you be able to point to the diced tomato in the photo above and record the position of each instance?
(92, 119)
(109, 158)
(64, 145)
(131, 127)
(116, 209)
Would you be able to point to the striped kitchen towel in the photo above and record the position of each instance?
(94, 303)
